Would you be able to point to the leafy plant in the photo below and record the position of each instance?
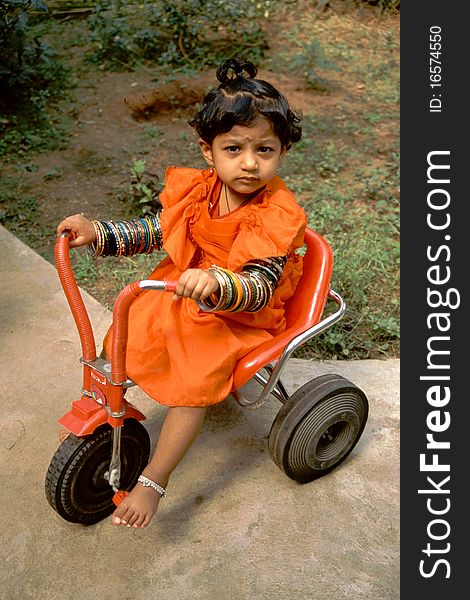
(28, 71)
(309, 59)
(194, 33)
(205, 31)
(30, 78)
(111, 38)
(143, 191)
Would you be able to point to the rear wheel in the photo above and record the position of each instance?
(76, 486)
(318, 427)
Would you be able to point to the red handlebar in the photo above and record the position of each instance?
(120, 322)
(120, 312)
(74, 298)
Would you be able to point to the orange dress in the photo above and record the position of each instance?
(177, 353)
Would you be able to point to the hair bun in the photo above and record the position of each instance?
(234, 69)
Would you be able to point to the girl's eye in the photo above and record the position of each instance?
(265, 149)
(232, 148)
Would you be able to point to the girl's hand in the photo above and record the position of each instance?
(196, 284)
(81, 227)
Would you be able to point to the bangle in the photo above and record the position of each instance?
(126, 238)
(250, 290)
(146, 482)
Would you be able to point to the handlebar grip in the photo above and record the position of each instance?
(68, 233)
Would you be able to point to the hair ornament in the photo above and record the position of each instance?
(232, 69)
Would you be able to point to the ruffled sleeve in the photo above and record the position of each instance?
(184, 189)
(275, 227)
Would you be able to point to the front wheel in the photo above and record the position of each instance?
(76, 486)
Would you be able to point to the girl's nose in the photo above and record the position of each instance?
(250, 162)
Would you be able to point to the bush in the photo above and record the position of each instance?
(195, 33)
(29, 73)
(30, 78)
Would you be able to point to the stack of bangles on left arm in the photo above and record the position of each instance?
(250, 290)
(126, 238)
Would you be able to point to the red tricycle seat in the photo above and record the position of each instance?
(303, 310)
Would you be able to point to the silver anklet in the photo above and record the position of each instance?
(146, 482)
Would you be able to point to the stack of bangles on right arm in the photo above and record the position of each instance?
(249, 291)
(126, 238)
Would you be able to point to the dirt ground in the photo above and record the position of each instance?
(109, 133)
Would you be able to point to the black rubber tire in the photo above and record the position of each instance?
(318, 427)
(75, 484)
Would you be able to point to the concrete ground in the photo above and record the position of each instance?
(233, 526)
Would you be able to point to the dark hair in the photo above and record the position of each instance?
(239, 99)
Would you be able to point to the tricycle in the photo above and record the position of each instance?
(106, 447)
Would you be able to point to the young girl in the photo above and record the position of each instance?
(230, 233)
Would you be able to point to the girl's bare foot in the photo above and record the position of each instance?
(138, 508)
(179, 430)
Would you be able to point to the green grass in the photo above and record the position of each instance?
(20, 213)
(351, 194)
(91, 272)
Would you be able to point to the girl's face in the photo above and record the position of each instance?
(245, 158)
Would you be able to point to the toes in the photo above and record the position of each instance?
(138, 522)
(137, 510)
(133, 519)
(120, 511)
(146, 521)
(122, 515)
